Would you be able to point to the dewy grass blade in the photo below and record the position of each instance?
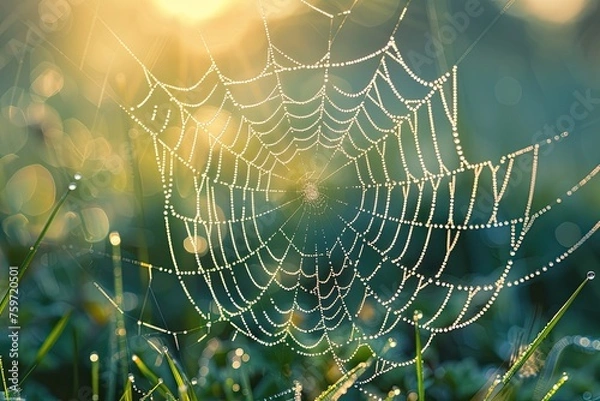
(4, 385)
(184, 387)
(563, 379)
(246, 385)
(150, 393)
(128, 393)
(119, 336)
(339, 388)
(540, 337)
(227, 389)
(49, 342)
(76, 385)
(33, 250)
(419, 357)
(95, 360)
(495, 383)
(151, 376)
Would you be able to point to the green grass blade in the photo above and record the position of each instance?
(95, 360)
(178, 376)
(186, 392)
(75, 362)
(121, 332)
(4, 385)
(563, 379)
(495, 383)
(150, 393)
(152, 377)
(33, 250)
(419, 357)
(246, 385)
(227, 389)
(49, 342)
(128, 393)
(339, 388)
(540, 337)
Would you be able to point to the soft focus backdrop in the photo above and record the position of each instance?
(524, 76)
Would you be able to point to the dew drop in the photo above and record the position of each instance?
(114, 238)
(77, 176)
(591, 275)
(418, 315)
(72, 186)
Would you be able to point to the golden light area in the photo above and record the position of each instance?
(49, 81)
(31, 190)
(95, 224)
(195, 245)
(17, 228)
(55, 15)
(203, 10)
(221, 24)
(195, 10)
(553, 11)
(219, 124)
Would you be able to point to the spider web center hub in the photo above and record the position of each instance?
(311, 191)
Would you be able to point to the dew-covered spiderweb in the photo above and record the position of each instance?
(327, 197)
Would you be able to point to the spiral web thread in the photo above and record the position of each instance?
(322, 220)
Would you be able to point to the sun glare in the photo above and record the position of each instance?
(555, 11)
(194, 10)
